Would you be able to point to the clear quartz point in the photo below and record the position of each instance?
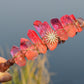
(81, 22)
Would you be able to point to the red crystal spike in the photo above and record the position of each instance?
(36, 40)
(59, 29)
(33, 36)
(72, 17)
(79, 29)
(68, 25)
(37, 23)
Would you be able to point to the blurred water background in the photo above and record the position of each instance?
(17, 16)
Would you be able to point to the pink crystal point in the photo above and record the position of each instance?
(38, 26)
(46, 27)
(14, 50)
(24, 43)
(20, 59)
(50, 37)
(59, 29)
(56, 23)
(36, 40)
(78, 28)
(68, 25)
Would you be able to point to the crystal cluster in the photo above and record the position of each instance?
(64, 28)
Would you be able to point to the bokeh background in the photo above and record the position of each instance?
(17, 16)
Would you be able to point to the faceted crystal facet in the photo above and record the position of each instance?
(38, 26)
(56, 23)
(78, 28)
(46, 27)
(24, 43)
(37, 41)
(14, 50)
(72, 17)
(37, 23)
(66, 20)
(18, 56)
(33, 36)
(42, 48)
(68, 25)
(20, 59)
(31, 53)
(52, 46)
(81, 22)
(59, 29)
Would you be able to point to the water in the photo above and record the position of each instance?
(17, 16)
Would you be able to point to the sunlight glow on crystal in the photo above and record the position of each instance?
(51, 37)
